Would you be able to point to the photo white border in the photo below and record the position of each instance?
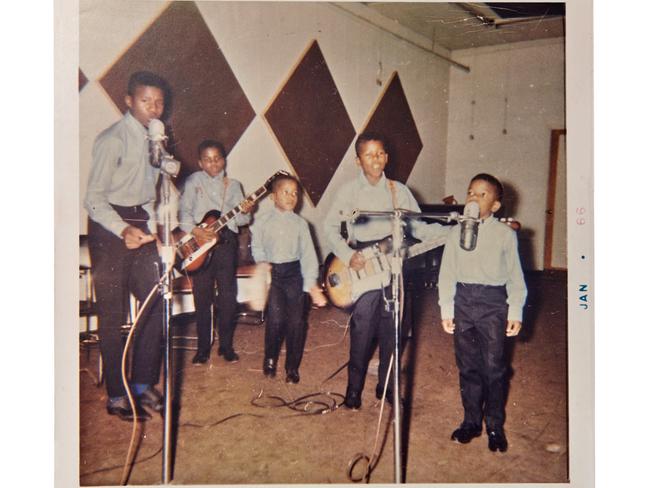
(579, 109)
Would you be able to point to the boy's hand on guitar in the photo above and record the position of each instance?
(448, 325)
(246, 206)
(317, 296)
(357, 261)
(203, 235)
(134, 237)
(513, 328)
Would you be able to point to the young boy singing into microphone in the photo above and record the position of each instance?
(481, 296)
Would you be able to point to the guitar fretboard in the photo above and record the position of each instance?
(422, 247)
(224, 219)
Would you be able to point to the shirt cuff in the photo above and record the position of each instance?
(308, 285)
(118, 227)
(447, 311)
(515, 313)
(153, 228)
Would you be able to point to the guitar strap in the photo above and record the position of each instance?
(345, 232)
(393, 192)
(225, 190)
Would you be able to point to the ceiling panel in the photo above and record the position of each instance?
(466, 25)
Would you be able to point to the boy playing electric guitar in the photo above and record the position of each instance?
(206, 190)
(371, 190)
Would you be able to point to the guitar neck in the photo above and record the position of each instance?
(221, 222)
(423, 247)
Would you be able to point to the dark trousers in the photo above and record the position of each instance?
(481, 314)
(221, 268)
(116, 272)
(285, 314)
(370, 319)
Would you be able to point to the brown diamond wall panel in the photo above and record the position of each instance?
(311, 123)
(82, 80)
(207, 100)
(394, 120)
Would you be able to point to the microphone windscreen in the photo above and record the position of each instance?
(472, 210)
(156, 130)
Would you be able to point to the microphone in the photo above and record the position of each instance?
(469, 226)
(158, 156)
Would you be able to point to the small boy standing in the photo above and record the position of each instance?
(281, 237)
(481, 297)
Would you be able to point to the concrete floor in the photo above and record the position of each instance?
(223, 438)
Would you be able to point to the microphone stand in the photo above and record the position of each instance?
(167, 257)
(397, 219)
(169, 167)
(396, 275)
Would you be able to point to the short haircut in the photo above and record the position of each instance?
(205, 144)
(147, 78)
(369, 136)
(492, 181)
(282, 177)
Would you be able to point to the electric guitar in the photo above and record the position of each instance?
(344, 285)
(192, 252)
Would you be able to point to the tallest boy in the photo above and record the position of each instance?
(121, 235)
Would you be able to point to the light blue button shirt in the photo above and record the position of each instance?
(283, 237)
(121, 174)
(359, 194)
(494, 261)
(203, 193)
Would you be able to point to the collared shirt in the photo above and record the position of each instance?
(494, 261)
(359, 194)
(203, 193)
(282, 237)
(121, 174)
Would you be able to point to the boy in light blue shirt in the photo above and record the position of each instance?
(204, 191)
(281, 238)
(481, 296)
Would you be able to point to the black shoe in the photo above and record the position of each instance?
(465, 433)
(497, 440)
(352, 399)
(122, 408)
(201, 357)
(379, 392)
(151, 398)
(269, 367)
(229, 355)
(293, 376)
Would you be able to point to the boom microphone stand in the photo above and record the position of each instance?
(396, 274)
(398, 217)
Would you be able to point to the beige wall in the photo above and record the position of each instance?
(531, 76)
(262, 42)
